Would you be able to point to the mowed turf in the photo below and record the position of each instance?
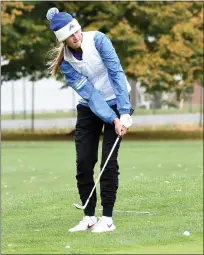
(39, 188)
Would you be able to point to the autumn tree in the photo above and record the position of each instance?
(172, 45)
(155, 41)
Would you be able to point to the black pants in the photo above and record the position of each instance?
(88, 130)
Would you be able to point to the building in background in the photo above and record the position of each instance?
(17, 96)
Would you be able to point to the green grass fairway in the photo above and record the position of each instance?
(39, 188)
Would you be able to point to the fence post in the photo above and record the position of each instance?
(154, 111)
(201, 106)
(24, 98)
(13, 100)
(33, 106)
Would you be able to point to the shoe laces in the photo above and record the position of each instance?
(103, 221)
(85, 220)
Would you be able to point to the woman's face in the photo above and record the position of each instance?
(74, 40)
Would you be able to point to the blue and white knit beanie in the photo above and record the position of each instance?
(62, 23)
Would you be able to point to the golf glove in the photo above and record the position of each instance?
(126, 120)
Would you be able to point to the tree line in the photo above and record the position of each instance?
(159, 44)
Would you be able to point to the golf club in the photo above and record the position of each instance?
(87, 201)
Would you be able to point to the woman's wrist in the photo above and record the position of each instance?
(115, 120)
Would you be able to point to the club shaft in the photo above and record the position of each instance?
(104, 166)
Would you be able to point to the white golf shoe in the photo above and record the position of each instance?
(86, 223)
(103, 225)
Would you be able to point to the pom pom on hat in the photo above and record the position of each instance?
(51, 12)
(62, 23)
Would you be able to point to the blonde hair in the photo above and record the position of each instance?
(55, 57)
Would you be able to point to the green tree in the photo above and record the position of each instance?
(24, 38)
(155, 40)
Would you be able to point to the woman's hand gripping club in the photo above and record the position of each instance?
(122, 124)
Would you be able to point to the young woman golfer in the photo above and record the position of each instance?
(92, 68)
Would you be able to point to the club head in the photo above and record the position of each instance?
(79, 206)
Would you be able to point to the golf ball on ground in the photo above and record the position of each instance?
(186, 233)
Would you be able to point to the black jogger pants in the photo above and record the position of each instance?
(88, 130)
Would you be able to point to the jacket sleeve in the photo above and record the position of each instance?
(86, 90)
(115, 71)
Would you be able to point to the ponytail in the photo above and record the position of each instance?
(55, 56)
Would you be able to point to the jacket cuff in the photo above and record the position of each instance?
(124, 111)
(113, 117)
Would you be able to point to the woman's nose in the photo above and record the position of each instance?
(75, 36)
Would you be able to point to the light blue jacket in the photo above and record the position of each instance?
(98, 77)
